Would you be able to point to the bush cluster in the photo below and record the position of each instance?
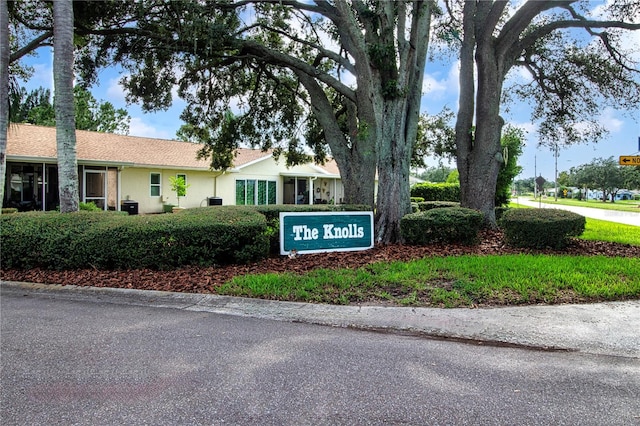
(437, 191)
(442, 225)
(541, 228)
(500, 212)
(428, 205)
(104, 240)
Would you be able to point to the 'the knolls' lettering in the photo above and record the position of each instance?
(350, 231)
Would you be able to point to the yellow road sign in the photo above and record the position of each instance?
(629, 160)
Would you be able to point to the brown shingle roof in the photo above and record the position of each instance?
(330, 166)
(38, 142)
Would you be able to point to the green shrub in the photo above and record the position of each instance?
(417, 199)
(428, 205)
(203, 236)
(500, 212)
(89, 207)
(9, 210)
(414, 207)
(541, 228)
(437, 191)
(442, 225)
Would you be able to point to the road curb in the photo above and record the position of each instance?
(603, 328)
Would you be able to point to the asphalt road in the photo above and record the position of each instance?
(89, 362)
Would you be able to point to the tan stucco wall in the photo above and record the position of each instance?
(136, 184)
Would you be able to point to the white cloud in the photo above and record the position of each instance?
(138, 127)
(431, 86)
(609, 120)
(42, 77)
(529, 128)
(115, 93)
(449, 85)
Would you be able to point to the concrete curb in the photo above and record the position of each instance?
(611, 328)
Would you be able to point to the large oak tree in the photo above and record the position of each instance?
(283, 64)
(573, 75)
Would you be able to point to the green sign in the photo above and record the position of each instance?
(317, 232)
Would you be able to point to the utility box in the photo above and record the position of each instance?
(215, 201)
(129, 206)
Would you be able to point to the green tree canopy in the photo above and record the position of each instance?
(601, 174)
(35, 107)
(631, 177)
(577, 64)
(512, 143)
(435, 174)
(264, 73)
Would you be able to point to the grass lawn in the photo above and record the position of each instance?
(602, 230)
(455, 281)
(458, 281)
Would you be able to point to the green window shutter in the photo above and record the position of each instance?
(240, 192)
(272, 192)
(262, 192)
(251, 192)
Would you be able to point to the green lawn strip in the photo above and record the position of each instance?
(602, 230)
(454, 281)
(625, 206)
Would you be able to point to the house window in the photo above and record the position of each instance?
(155, 184)
(251, 192)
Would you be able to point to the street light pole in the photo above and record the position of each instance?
(556, 177)
(535, 175)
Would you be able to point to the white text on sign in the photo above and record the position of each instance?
(305, 233)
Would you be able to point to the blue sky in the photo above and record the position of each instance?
(440, 89)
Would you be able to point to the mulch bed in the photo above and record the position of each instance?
(206, 279)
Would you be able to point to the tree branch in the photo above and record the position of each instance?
(34, 44)
(261, 52)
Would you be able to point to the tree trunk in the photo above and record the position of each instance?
(478, 151)
(4, 92)
(484, 160)
(394, 160)
(356, 159)
(64, 105)
(397, 119)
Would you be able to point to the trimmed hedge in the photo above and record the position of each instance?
(437, 191)
(104, 240)
(500, 212)
(428, 205)
(541, 228)
(442, 225)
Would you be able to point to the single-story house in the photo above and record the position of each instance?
(114, 169)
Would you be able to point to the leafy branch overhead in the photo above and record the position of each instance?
(343, 78)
